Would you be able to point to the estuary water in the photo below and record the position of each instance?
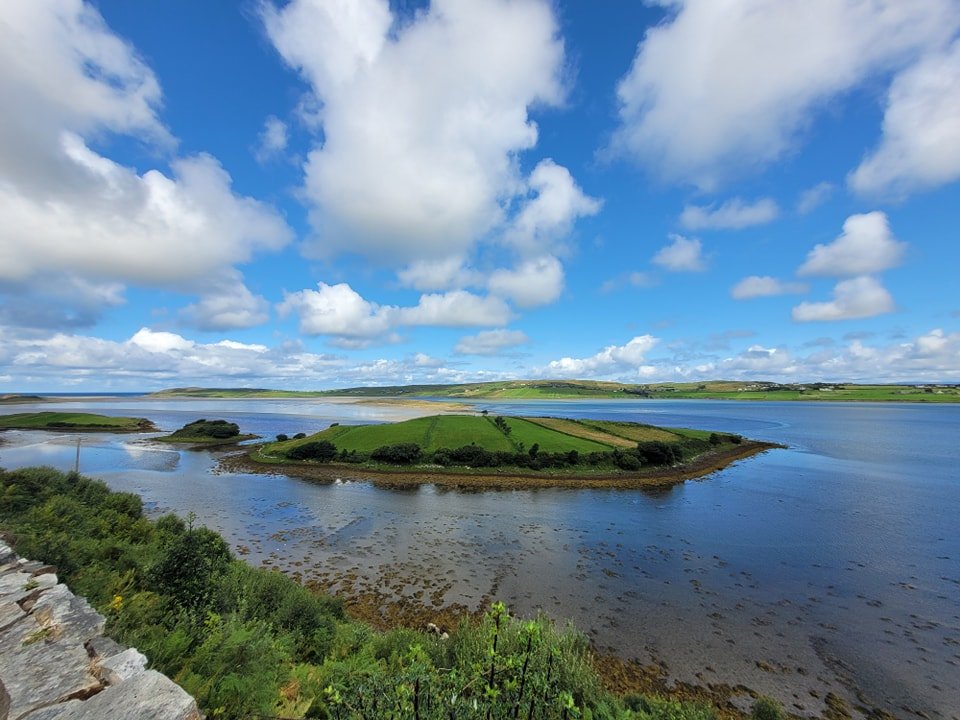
(829, 566)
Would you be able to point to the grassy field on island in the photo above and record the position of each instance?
(74, 422)
(453, 431)
(486, 447)
(586, 389)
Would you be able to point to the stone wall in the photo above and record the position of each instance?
(56, 663)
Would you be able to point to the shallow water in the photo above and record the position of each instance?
(832, 564)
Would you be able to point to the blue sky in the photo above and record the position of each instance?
(327, 193)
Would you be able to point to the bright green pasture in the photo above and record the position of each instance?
(67, 421)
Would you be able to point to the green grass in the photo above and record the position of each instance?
(636, 432)
(73, 422)
(571, 389)
(551, 435)
(551, 440)
(430, 433)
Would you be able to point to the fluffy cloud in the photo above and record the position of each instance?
(533, 283)
(612, 360)
(273, 139)
(422, 121)
(69, 211)
(154, 359)
(227, 306)
(866, 245)
(764, 286)
(340, 311)
(859, 297)
(813, 197)
(755, 71)
(733, 214)
(681, 255)
(555, 203)
(458, 308)
(920, 147)
(337, 310)
(932, 357)
(443, 274)
(57, 301)
(119, 225)
(490, 342)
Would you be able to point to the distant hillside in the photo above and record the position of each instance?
(569, 389)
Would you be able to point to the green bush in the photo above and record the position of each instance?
(657, 452)
(319, 450)
(190, 567)
(765, 708)
(400, 454)
(215, 429)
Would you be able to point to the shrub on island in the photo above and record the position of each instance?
(320, 450)
(214, 429)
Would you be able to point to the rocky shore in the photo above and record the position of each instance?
(56, 663)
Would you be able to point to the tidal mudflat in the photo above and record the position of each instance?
(830, 566)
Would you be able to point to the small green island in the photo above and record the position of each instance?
(206, 432)
(502, 451)
(75, 422)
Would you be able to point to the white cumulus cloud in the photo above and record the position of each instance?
(555, 203)
(273, 138)
(720, 87)
(534, 282)
(733, 214)
(681, 255)
(71, 212)
(422, 120)
(612, 360)
(490, 342)
(866, 245)
(920, 147)
(765, 286)
(859, 297)
(341, 312)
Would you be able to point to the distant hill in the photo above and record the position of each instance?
(569, 389)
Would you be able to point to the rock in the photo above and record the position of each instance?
(40, 667)
(6, 553)
(10, 613)
(103, 647)
(148, 696)
(18, 586)
(58, 607)
(4, 702)
(123, 666)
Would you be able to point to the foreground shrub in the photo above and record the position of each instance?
(248, 642)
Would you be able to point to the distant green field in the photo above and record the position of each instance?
(73, 422)
(572, 389)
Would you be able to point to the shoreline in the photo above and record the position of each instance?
(704, 465)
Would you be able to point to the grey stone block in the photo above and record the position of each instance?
(130, 663)
(148, 696)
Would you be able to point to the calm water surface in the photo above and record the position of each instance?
(828, 566)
